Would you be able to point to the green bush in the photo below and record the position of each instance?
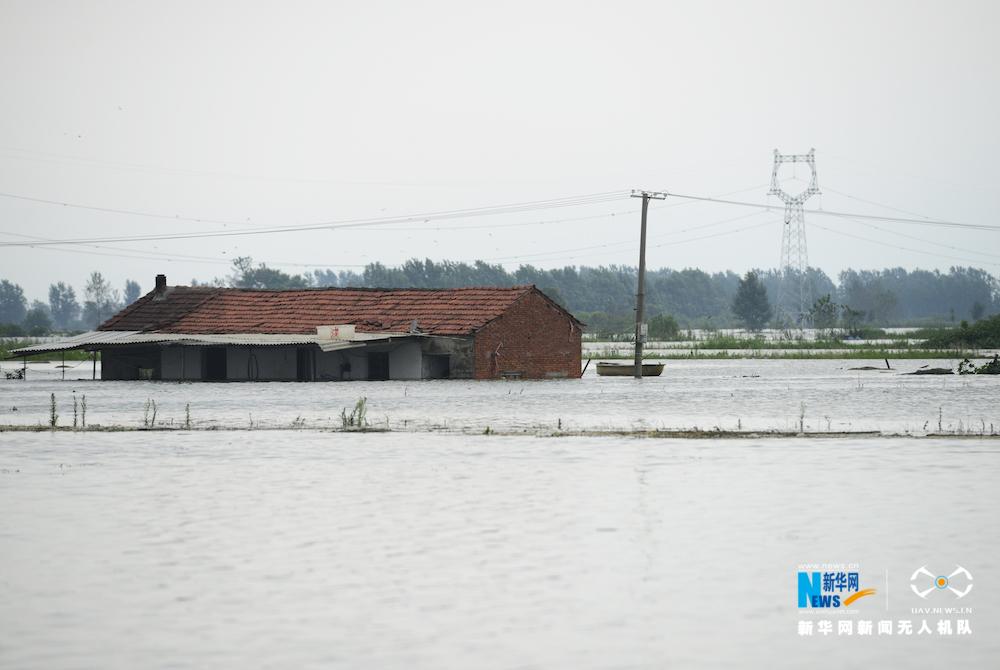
(663, 327)
(984, 334)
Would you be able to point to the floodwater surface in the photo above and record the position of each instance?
(812, 395)
(310, 549)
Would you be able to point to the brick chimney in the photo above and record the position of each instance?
(161, 285)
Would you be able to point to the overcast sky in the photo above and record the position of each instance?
(297, 112)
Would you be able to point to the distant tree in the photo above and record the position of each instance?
(608, 326)
(873, 293)
(663, 327)
(246, 275)
(37, 321)
(850, 319)
(823, 313)
(556, 295)
(63, 305)
(132, 292)
(101, 302)
(13, 305)
(977, 310)
(750, 305)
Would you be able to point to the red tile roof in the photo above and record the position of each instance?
(198, 309)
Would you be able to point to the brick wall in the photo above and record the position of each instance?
(533, 338)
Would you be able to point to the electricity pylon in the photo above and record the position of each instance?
(795, 288)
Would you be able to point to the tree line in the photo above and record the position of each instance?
(63, 312)
(603, 296)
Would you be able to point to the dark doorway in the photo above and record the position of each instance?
(303, 364)
(215, 364)
(437, 366)
(378, 365)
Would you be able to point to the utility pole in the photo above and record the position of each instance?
(640, 296)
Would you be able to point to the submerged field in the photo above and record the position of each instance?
(706, 395)
(403, 550)
(496, 524)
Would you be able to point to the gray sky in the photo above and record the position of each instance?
(298, 112)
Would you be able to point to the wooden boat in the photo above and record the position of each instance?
(628, 369)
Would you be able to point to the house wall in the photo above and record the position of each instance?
(328, 366)
(274, 363)
(460, 352)
(180, 362)
(359, 363)
(405, 361)
(419, 358)
(124, 363)
(533, 339)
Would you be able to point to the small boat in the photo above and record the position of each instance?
(628, 369)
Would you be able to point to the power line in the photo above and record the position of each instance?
(555, 254)
(926, 241)
(902, 248)
(82, 161)
(571, 201)
(877, 204)
(627, 246)
(827, 212)
(493, 226)
(494, 210)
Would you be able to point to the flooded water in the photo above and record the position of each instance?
(816, 395)
(436, 545)
(310, 549)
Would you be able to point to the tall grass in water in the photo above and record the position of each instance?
(149, 416)
(358, 416)
(53, 417)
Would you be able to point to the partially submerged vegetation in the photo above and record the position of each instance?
(802, 424)
(967, 367)
(678, 433)
(355, 421)
(698, 353)
(984, 334)
(860, 343)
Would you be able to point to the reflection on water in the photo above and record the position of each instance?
(824, 395)
(402, 550)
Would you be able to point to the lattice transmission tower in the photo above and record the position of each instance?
(795, 292)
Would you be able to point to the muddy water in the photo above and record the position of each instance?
(424, 550)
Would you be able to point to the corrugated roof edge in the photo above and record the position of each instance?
(102, 339)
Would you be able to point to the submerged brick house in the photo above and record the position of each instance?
(227, 334)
